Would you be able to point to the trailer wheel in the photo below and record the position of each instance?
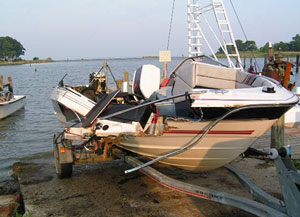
(62, 170)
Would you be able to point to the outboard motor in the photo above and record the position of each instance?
(146, 80)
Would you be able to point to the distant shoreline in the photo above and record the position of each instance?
(243, 54)
(22, 62)
(258, 54)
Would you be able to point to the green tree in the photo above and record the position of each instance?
(295, 43)
(250, 46)
(282, 46)
(230, 49)
(240, 45)
(10, 49)
(265, 48)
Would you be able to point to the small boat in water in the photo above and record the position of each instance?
(9, 103)
(204, 116)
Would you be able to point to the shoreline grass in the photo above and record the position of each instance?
(4, 63)
(258, 54)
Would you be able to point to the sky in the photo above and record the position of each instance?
(88, 29)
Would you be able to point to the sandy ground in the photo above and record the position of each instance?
(103, 190)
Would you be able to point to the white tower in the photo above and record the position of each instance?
(224, 37)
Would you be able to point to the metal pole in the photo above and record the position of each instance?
(297, 63)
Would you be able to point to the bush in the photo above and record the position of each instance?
(35, 58)
(17, 59)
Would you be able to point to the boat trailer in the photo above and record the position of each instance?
(263, 204)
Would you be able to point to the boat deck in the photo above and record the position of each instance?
(291, 137)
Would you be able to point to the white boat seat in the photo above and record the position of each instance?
(213, 76)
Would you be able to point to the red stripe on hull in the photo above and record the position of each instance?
(216, 132)
(177, 189)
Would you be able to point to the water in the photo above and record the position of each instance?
(30, 130)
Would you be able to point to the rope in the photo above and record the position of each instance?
(170, 28)
(243, 31)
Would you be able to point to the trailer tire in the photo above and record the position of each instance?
(62, 170)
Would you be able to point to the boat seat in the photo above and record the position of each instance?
(197, 74)
(246, 80)
(194, 74)
(5, 96)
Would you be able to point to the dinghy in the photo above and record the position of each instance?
(9, 103)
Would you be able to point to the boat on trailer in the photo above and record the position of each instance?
(203, 117)
(9, 103)
(200, 118)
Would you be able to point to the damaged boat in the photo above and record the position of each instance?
(202, 117)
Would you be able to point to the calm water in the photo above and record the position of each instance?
(30, 130)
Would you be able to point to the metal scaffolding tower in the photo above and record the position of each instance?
(196, 35)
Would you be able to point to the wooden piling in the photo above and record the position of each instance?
(126, 76)
(1, 82)
(297, 63)
(106, 74)
(10, 85)
(125, 84)
(236, 61)
(265, 60)
(165, 70)
(270, 53)
(277, 133)
(119, 83)
(245, 62)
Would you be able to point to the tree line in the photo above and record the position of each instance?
(293, 45)
(10, 49)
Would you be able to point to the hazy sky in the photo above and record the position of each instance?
(75, 29)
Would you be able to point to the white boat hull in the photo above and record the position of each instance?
(220, 146)
(76, 103)
(198, 94)
(13, 105)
